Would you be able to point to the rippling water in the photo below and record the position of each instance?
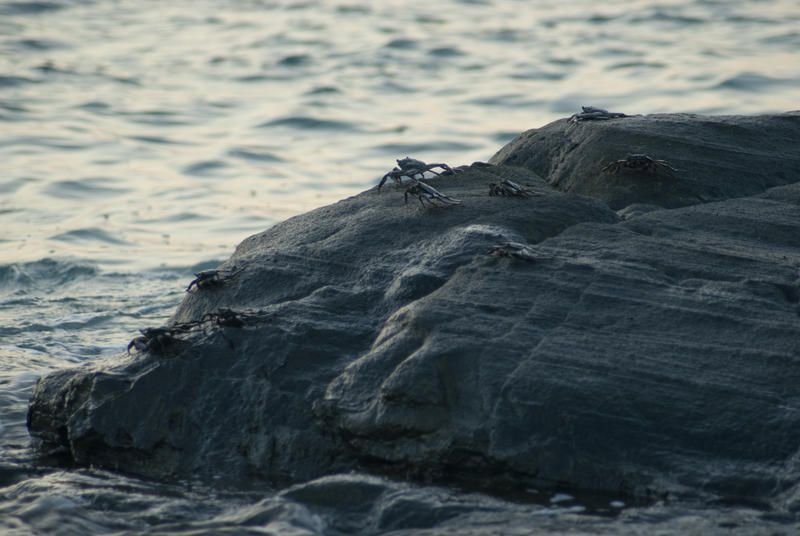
(140, 142)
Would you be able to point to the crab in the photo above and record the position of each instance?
(155, 339)
(513, 249)
(226, 318)
(411, 167)
(639, 162)
(592, 113)
(427, 193)
(207, 279)
(511, 189)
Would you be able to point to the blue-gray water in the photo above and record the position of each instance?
(141, 141)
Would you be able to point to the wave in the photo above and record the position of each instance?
(204, 167)
(254, 153)
(13, 81)
(9, 187)
(423, 147)
(89, 234)
(28, 8)
(84, 189)
(295, 60)
(309, 123)
(47, 272)
(749, 81)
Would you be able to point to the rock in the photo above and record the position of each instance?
(646, 354)
(716, 158)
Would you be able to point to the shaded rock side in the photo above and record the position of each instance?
(643, 353)
(230, 390)
(714, 158)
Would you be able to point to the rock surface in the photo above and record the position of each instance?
(652, 349)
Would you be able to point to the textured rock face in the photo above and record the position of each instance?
(716, 158)
(645, 351)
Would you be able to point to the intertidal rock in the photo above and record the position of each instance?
(714, 158)
(645, 353)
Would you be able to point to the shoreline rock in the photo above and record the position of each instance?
(645, 352)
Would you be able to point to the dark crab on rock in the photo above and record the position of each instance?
(153, 339)
(411, 167)
(509, 188)
(428, 194)
(209, 279)
(639, 162)
(592, 113)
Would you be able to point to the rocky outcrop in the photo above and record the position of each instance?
(651, 346)
(715, 158)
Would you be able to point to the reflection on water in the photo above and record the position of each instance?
(248, 112)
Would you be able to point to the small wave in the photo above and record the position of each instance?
(309, 123)
(81, 320)
(254, 153)
(13, 81)
(260, 77)
(38, 44)
(445, 52)
(789, 38)
(323, 90)
(177, 218)
(89, 234)
(45, 141)
(154, 117)
(353, 9)
(564, 60)
(637, 64)
(28, 8)
(505, 35)
(402, 43)
(85, 189)
(509, 99)
(749, 82)
(46, 272)
(94, 106)
(205, 167)
(536, 74)
(155, 139)
(422, 147)
(295, 60)
(660, 16)
(13, 107)
(9, 187)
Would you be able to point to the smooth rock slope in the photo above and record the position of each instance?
(652, 349)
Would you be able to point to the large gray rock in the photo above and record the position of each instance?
(646, 352)
(716, 157)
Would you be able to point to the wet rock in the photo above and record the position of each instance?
(648, 353)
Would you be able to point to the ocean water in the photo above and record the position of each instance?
(141, 141)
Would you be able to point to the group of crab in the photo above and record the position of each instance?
(164, 339)
(415, 170)
(633, 162)
(411, 168)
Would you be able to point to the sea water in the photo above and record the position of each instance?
(141, 141)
